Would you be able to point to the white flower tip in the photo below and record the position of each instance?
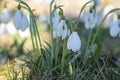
(74, 42)
(62, 29)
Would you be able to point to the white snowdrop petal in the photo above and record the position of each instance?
(85, 16)
(69, 42)
(87, 26)
(25, 23)
(89, 19)
(76, 43)
(57, 16)
(62, 29)
(18, 19)
(54, 34)
(111, 21)
(92, 20)
(55, 20)
(114, 30)
(55, 26)
(59, 29)
(5, 16)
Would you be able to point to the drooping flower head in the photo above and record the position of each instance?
(55, 19)
(59, 25)
(20, 20)
(114, 27)
(89, 18)
(5, 15)
(114, 30)
(55, 22)
(62, 29)
(111, 21)
(74, 42)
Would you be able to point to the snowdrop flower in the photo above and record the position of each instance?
(55, 20)
(114, 26)
(89, 19)
(112, 20)
(74, 42)
(114, 30)
(62, 29)
(20, 20)
(5, 16)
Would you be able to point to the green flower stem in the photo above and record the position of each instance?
(87, 48)
(57, 50)
(35, 35)
(32, 38)
(63, 55)
(51, 32)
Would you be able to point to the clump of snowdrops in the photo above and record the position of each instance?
(67, 56)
